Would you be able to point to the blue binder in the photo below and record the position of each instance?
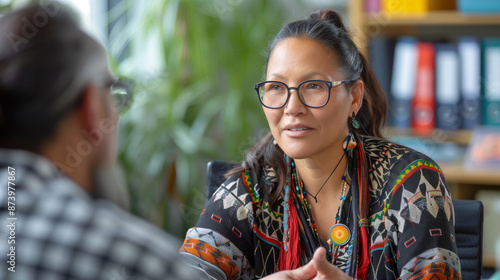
(490, 91)
(381, 60)
(447, 87)
(478, 6)
(403, 81)
(469, 53)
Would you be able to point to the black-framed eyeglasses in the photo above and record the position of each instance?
(312, 93)
(121, 91)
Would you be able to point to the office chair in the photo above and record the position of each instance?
(469, 237)
(468, 223)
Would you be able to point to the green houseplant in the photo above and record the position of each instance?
(197, 104)
(194, 63)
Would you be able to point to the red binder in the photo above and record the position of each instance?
(423, 103)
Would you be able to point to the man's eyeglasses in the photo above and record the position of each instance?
(312, 93)
(121, 92)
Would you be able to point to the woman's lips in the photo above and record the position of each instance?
(297, 131)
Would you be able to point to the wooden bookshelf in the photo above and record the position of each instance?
(489, 261)
(461, 137)
(365, 25)
(457, 173)
(431, 18)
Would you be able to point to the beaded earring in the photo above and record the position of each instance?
(350, 142)
(354, 123)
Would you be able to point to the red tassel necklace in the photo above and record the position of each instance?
(291, 247)
(290, 252)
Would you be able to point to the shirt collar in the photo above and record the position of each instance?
(27, 163)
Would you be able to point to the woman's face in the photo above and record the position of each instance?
(304, 132)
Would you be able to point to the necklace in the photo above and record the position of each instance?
(333, 171)
(295, 196)
(339, 233)
(295, 188)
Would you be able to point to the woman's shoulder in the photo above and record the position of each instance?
(391, 163)
(392, 154)
(250, 183)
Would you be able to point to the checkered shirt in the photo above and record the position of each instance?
(61, 233)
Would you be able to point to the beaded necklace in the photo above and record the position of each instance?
(299, 226)
(339, 233)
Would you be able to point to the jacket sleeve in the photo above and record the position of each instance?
(221, 242)
(420, 222)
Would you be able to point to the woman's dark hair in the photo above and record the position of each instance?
(46, 59)
(325, 27)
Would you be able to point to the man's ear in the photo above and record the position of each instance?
(357, 93)
(91, 108)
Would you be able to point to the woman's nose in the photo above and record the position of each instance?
(294, 104)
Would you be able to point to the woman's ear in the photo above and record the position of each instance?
(357, 92)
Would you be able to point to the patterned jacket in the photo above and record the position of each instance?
(411, 222)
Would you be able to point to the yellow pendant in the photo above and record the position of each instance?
(340, 234)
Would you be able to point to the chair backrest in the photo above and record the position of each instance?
(215, 175)
(468, 222)
(469, 237)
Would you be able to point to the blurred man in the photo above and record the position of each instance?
(58, 117)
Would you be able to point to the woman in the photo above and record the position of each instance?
(325, 178)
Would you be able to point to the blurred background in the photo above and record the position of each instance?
(194, 64)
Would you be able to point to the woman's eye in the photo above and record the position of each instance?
(275, 87)
(313, 86)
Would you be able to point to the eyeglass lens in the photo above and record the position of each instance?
(312, 93)
(121, 93)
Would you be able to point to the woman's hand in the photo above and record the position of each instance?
(324, 269)
(302, 273)
(318, 268)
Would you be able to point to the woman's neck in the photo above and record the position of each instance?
(314, 173)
